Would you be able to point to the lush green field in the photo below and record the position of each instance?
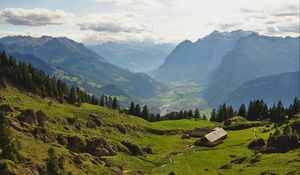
(172, 154)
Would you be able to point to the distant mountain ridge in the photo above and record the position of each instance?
(194, 61)
(271, 89)
(135, 56)
(252, 57)
(77, 59)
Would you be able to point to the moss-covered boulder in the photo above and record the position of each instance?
(41, 117)
(256, 144)
(28, 116)
(44, 134)
(148, 150)
(76, 144)
(239, 160)
(99, 147)
(133, 148)
(226, 166)
(6, 108)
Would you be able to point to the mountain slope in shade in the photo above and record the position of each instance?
(29, 59)
(271, 89)
(252, 57)
(135, 56)
(193, 61)
(77, 59)
(69, 78)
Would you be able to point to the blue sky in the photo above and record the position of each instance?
(96, 21)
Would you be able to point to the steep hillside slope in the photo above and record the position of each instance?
(271, 89)
(135, 56)
(252, 57)
(77, 59)
(70, 79)
(193, 61)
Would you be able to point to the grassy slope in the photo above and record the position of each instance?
(168, 148)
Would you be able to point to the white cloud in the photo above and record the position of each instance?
(33, 17)
(136, 4)
(161, 20)
(272, 18)
(113, 23)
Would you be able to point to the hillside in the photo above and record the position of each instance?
(71, 80)
(284, 87)
(196, 60)
(135, 56)
(76, 59)
(169, 152)
(252, 57)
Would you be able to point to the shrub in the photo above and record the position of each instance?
(10, 147)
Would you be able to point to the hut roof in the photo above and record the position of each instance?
(216, 134)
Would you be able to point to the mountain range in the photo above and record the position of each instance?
(75, 58)
(222, 61)
(252, 57)
(194, 61)
(228, 65)
(135, 56)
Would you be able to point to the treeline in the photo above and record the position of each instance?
(184, 115)
(143, 112)
(257, 110)
(25, 77)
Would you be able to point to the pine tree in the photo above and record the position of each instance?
(230, 112)
(279, 112)
(72, 96)
(137, 110)
(4, 131)
(157, 117)
(102, 100)
(79, 96)
(115, 103)
(10, 147)
(109, 102)
(2, 82)
(145, 113)
(242, 110)
(296, 106)
(52, 162)
(197, 113)
(131, 109)
(222, 113)
(190, 114)
(204, 117)
(213, 115)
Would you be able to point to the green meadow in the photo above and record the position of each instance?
(171, 152)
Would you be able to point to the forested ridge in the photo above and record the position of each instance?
(25, 77)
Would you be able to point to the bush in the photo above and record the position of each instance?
(296, 126)
(284, 143)
(55, 164)
(255, 144)
(10, 147)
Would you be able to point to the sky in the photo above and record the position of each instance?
(98, 21)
